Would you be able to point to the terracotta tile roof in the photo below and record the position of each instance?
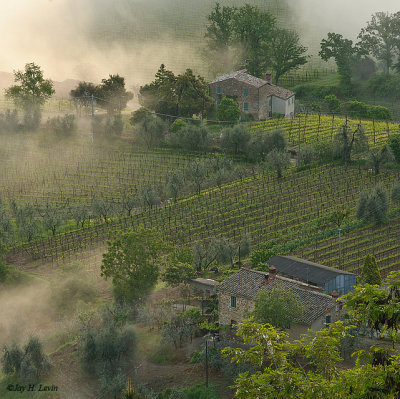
(243, 76)
(247, 283)
(280, 92)
(206, 281)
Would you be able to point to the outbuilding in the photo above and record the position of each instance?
(327, 278)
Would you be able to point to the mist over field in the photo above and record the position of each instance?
(88, 39)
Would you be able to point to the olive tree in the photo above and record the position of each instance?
(373, 205)
(277, 161)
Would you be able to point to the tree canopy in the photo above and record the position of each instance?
(381, 38)
(285, 53)
(176, 95)
(277, 307)
(343, 52)
(248, 37)
(33, 89)
(131, 261)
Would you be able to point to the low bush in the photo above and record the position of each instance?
(61, 125)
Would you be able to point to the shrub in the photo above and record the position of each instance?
(9, 121)
(69, 292)
(394, 144)
(228, 110)
(61, 126)
(30, 364)
(177, 125)
(191, 138)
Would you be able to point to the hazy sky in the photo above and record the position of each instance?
(88, 39)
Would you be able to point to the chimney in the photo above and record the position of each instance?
(271, 276)
(268, 77)
(335, 295)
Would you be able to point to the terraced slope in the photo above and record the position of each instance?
(267, 208)
(37, 171)
(321, 127)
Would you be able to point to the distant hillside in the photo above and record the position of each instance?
(62, 88)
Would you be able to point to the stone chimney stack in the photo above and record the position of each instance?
(272, 273)
(268, 278)
(268, 77)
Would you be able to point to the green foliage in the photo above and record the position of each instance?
(52, 217)
(26, 220)
(32, 92)
(67, 293)
(360, 110)
(228, 110)
(139, 115)
(394, 144)
(277, 307)
(150, 130)
(177, 273)
(381, 37)
(106, 127)
(396, 193)
(9, 121)
(62, 126)
(349, 140)
(175, 184)
(196, 174)
(277, 161)
(379, 113)
(103, 207)
(131, 261)
(332, 102)
(370, 272)
(307, 154)
(385, 86)
(82, 95)
(259, 146)
(380, 156)
(373, 205)
(285, 52)
(261, 255)
(234, 140)
(307, 368)
(179, 328)
(30, 364)
(191, 138)
(106, 353)
(112, 94)
(148, 195)
(178, 95)
(177, 125)
(343, 52)
(377, 306)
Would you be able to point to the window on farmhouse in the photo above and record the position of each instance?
(246, 106)
(233, 301)
(246, 92)
(328, 319)
(219, 90)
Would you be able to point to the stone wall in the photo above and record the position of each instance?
(227, 313)
(233, 87)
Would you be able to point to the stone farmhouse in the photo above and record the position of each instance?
(327, 278)
(236, 296)
(256, 96)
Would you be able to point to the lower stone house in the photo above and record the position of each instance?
(237, 293)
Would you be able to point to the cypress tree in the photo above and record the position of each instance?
(370, 273)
